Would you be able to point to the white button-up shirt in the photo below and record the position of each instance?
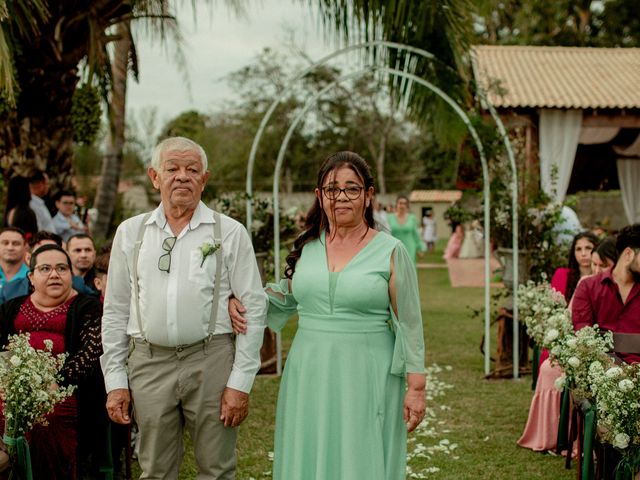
(43, 217)
(175, 307)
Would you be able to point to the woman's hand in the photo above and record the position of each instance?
(238, 322)
(414, 401)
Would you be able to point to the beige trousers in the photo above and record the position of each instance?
(177, 388)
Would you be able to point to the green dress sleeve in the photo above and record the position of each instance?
(408, 354)
(282, 304)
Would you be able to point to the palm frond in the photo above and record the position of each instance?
(18, 18)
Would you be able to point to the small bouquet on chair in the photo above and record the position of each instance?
(29, 390)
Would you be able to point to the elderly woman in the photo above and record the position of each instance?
(56, 312)
(344, 408)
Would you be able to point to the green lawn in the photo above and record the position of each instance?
(483, 417)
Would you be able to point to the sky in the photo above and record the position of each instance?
(216, 44)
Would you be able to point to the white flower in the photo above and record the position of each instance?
(572, 342)
(621, 440)
(560, 382)
(625, 385)
(613, 372)
(551, 335)
(574, 362)
(15, 360)
(207, 249)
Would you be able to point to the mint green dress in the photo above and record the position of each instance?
(340, 406)
(407, 233)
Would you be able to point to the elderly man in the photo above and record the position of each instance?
(170, 276)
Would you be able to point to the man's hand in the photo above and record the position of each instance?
(238, 322)
(234, 407)
(118, 402)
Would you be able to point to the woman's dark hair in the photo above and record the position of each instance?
(607, 249)
(18, 198)
(316, 220)
(574, 266)
(46, 248)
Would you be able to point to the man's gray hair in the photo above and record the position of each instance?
(176, 144)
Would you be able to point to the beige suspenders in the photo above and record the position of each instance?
(217, 239)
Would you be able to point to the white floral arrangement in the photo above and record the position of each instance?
(616, 389)
(558, 326)
(576, 352)
(537, 302)
(29, 384)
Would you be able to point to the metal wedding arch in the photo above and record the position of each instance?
(410, 57)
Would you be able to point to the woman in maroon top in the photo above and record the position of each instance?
(56, 312)
(541, 431)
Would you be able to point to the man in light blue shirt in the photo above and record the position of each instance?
(39, 187)
(66, 222)
(13, 247)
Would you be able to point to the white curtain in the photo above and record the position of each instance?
(595, 135)
(629, 178)
(559, 134)
(632, 150)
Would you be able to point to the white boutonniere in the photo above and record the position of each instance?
(207, 249)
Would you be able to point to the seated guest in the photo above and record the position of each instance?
(22, 286)
(605, 256)
(541, 431)
(612, 298)
(102, 268)
(13, 247)
(67, 223)
(83, 255)
(54, 311)
(18, 213)
(39, 187)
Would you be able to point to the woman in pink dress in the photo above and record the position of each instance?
(541, 431)
(455, 242)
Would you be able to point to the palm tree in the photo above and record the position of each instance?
(46, 43)
(442, 27)
(106, 194)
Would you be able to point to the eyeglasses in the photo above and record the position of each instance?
(46, 269)
(164, 262)
(351, 192)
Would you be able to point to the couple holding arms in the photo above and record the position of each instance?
(354, 380)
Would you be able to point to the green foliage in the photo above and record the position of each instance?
(190, 124)
(588, 23)
(234, 205)
(262, 232)
(352, 116)
(86, 112)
